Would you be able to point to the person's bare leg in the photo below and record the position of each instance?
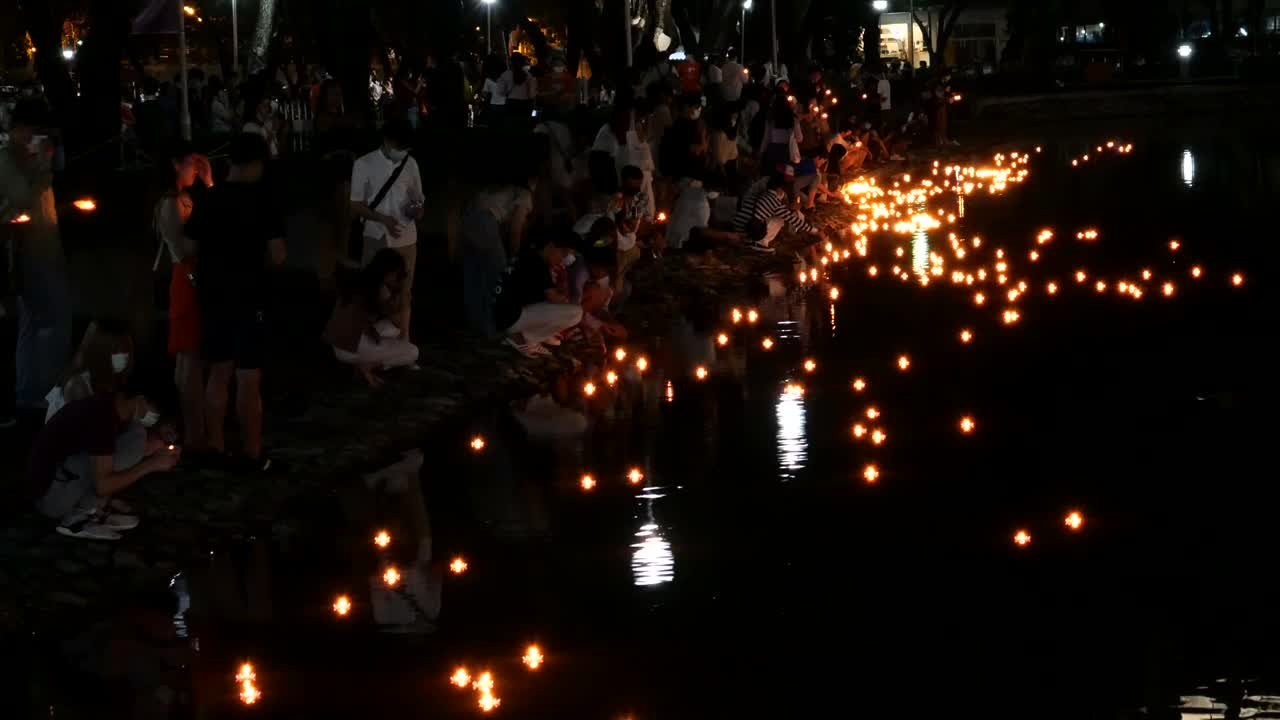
(215, 404)
(249, 410)
(189, 378)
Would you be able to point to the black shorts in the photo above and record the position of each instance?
(234, 335)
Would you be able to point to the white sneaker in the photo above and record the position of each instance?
(88, 531)
(118, 521)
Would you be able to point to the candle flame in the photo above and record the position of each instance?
(904, 362)
(611, 377)
(1167, 289)
(532, 657)
(859, 384)
(700, 372)
(484, 683)
(870, 473)
(965, 336)
(85, 205)
(810, 366)
(873, 413)
(1074, 520)
(391, 577)
(458, 566)
(589, 389)
(1196, 271)
(477, 443)
(21, 218)
(834, 294)
(635, 476)
(342, 605)
(737, 314)
(382, 539)
(878, 437)
(767, 343)
(620, 354)
(642, 363)
(488, 702)
(1022, 538)
(460, 677)
(587, 483)
(859, 430)
(752, 316)
(967, 425)
(1237, 280)
(722, 339)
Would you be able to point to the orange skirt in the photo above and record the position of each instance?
(184, 310)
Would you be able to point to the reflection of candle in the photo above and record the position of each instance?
(834, 294)
(484, 683)
(1100, 286)
(85, 205)
(391, 577)
(979, 298)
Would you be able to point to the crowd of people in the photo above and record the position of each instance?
(701, 166)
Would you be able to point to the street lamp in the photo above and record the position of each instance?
(742, 46)
(488, 31)
(880, 5)
(1184, 50)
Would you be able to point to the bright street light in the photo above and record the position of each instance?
(68, 53)
(1184, 51)
(880, 5)
(746, 4)
(488, 31)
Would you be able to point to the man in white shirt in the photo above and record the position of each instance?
(885, 91)
(731, 80)
(391, 222)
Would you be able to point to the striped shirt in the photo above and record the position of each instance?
(765, 205)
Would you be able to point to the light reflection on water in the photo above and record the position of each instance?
(652, 561)
(793, 442)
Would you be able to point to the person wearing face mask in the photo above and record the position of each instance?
(362, 329)
(263, 122)
(93, 449)
(386, 193)
(102, 363)
(27, 207)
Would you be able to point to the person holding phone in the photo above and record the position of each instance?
(87, 453)
(44, 303)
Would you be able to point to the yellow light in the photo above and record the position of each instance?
(967, 425)
(834, 294)
(752, 316)
(382, 539)
(662, 217)
(859, 430)
(589, 389)
(484, 683)
(460, 677)
(342, 606)
(1122, 287)
(477, 443)
(1013, 294)
(458, 566)
(1146, 274)
(1010, 317)
(877, 437)
(1074, 520)
(611, 378)
(85, 205)
(1081, 276)
(1196, 271)
(898, 251)
(1167, 289)
(488, 702)
(189, 10)
(635, 476)
(965, 336)
(391, 577)
(810, 366)
(1022, 538)
(620, 354)
(246, 677)
(873, 271)
(793, 390)
(859, 384)
(722, 339)
(737, 315)
(767, 343)
(21, 218)
(587, 483)
(979, 298)
(872, 413)
(1034, 256)
(532, 657)
(1052, 288)
(1174, 245)
(700, 372)
(1100, 286)
(1237, 280)
(904, 362)
(870, 474)
(642, 364)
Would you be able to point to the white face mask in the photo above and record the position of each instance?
(149, 419)
(119, 362)
(396, 155)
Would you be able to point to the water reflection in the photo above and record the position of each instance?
(1188, 168)
(793, 443)
(652, 561)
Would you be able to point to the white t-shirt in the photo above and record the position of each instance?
(503, 202)
(715, 75)
(884, 90)
(606, 141)
(692, 210)
(731, 81)
(527, 90)
(368, 174)
(496, 96)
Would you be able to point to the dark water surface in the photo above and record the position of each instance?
(754, 573)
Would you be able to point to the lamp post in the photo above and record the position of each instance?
(235, 41)
(742, 46)
(488, 25)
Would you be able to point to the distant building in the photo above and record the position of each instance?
(978, 37)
